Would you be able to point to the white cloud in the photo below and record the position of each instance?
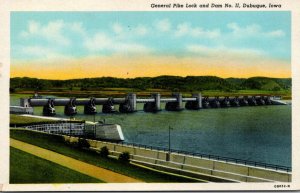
(253, 30)
(199, 32)
(33, 27)
(53, 31)
(78, 28)
(41, 52)
(122, 39)
(248, 30)
(184, 29)
(140, 30)
(117, 28)
(54, 34)
(101, 42)
(98, 42)
(163, 25)
(276, 33)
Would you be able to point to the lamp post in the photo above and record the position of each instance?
(169, 153)
(169, 139)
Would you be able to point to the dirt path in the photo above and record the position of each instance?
(82, 167)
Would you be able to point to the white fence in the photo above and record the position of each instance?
(76, 129)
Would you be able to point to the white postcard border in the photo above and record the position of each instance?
(138, 5)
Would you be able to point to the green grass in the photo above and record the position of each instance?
(17, 119)
(27, 168)
(21, 95)
(55, 143)
(285, 93)
(120, 92)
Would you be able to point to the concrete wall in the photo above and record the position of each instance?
(119, 148)
(146, 153)
(195, 161)
(228, 167)
(197, 169)
(144, 159)
(217, 170)
(269, 174)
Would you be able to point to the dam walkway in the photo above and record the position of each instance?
(212, 169)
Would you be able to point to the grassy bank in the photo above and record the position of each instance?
(27, 168)
(117, 92)
(56, 143)
(17, 119)
(286, 94)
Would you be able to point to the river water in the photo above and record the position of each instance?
(261, 133)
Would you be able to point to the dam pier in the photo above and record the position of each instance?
(128, 104)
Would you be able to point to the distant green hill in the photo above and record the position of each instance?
(263, 83)
(172, 83)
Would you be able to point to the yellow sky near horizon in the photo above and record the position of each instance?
(148, 66)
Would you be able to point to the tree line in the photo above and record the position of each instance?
(173, 83)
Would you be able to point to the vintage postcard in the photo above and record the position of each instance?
(144, 95)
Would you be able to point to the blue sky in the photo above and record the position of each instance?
(41, 36)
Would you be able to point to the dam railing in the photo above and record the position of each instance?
(213, 157)
(74, 129)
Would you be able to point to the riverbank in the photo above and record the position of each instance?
(26, 168)
(177, 163)
(56, 144)
(286, 94)
(73, 164)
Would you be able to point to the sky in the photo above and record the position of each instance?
(65, 45)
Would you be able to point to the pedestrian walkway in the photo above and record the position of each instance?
(82, 167)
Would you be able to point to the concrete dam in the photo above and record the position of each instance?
(128, 104)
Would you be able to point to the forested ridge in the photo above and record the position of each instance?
(173, 83)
